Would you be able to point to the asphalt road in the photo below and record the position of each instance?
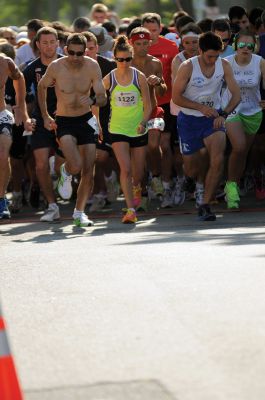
(169, 309)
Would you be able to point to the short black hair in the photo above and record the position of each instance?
(35, 24)
(236, 12)
(109, 26)
(205, 24)
(255, 13)
(210, 41)
(76, 38)
(81, 23)
(182, 21)
(221, 25)
(134, 24)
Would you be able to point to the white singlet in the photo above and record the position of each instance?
(204, 90)
(248, 79)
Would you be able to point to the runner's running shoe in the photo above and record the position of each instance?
(205, 213)
(4, 211)
(232, 196)
(64, 186)
(51, 214)
(129, 217)
(81, 219)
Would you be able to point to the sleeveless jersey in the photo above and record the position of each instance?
(248, 78)
(181, 56)
(126, 106)
(204, 90)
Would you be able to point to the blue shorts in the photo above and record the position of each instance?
(193, 130)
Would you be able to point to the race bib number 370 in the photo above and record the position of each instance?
(206, 101)
(126, 99)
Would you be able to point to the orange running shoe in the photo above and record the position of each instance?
(137, 195)
(129, 217)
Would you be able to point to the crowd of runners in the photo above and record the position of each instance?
(108, 107)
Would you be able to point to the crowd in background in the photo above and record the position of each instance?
(151, 169)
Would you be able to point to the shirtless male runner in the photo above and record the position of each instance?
(140, 39)
(9, 69)
(73, 76)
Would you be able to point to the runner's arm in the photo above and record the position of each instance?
(160, 85)
(145, 96)
(98, 86)
(20, 109)
(48, 79)
(232, 86)
(262, 69)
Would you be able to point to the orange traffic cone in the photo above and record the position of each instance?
(9, 386)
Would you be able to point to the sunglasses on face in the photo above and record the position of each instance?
(121, 59)
(249, 46)
(76, 53)
(225, 40)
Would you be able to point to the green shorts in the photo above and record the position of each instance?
(250, 123)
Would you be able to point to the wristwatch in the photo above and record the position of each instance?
(159, 83)
(223, 114)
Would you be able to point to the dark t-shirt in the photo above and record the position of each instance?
(33, 73)
(106, 65)
(10, 94)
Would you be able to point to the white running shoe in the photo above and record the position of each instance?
(64, 186)
(157, 186)
(199, 193)
(51, 214)
(81, 220)
(112, 186)
(167, 199)
(178, 194)
(98, 203)
(16, 203)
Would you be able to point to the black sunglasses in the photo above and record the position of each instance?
(76, 53)
(121, 59)
(225, 40)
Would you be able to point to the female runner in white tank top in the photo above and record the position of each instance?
(243, 123)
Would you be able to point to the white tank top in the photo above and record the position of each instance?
(248, 78)
(181, 56)
(204, 90)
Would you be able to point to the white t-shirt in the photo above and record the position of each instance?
(24, 54)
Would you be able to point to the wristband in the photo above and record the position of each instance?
(159, 83)
(223, 114)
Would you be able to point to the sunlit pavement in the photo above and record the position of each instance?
(171, 308)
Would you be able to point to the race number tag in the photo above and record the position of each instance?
(206, 101)
(6, 117)
(233, 113)
(156, 123)
(126, 99)
(94, 124)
